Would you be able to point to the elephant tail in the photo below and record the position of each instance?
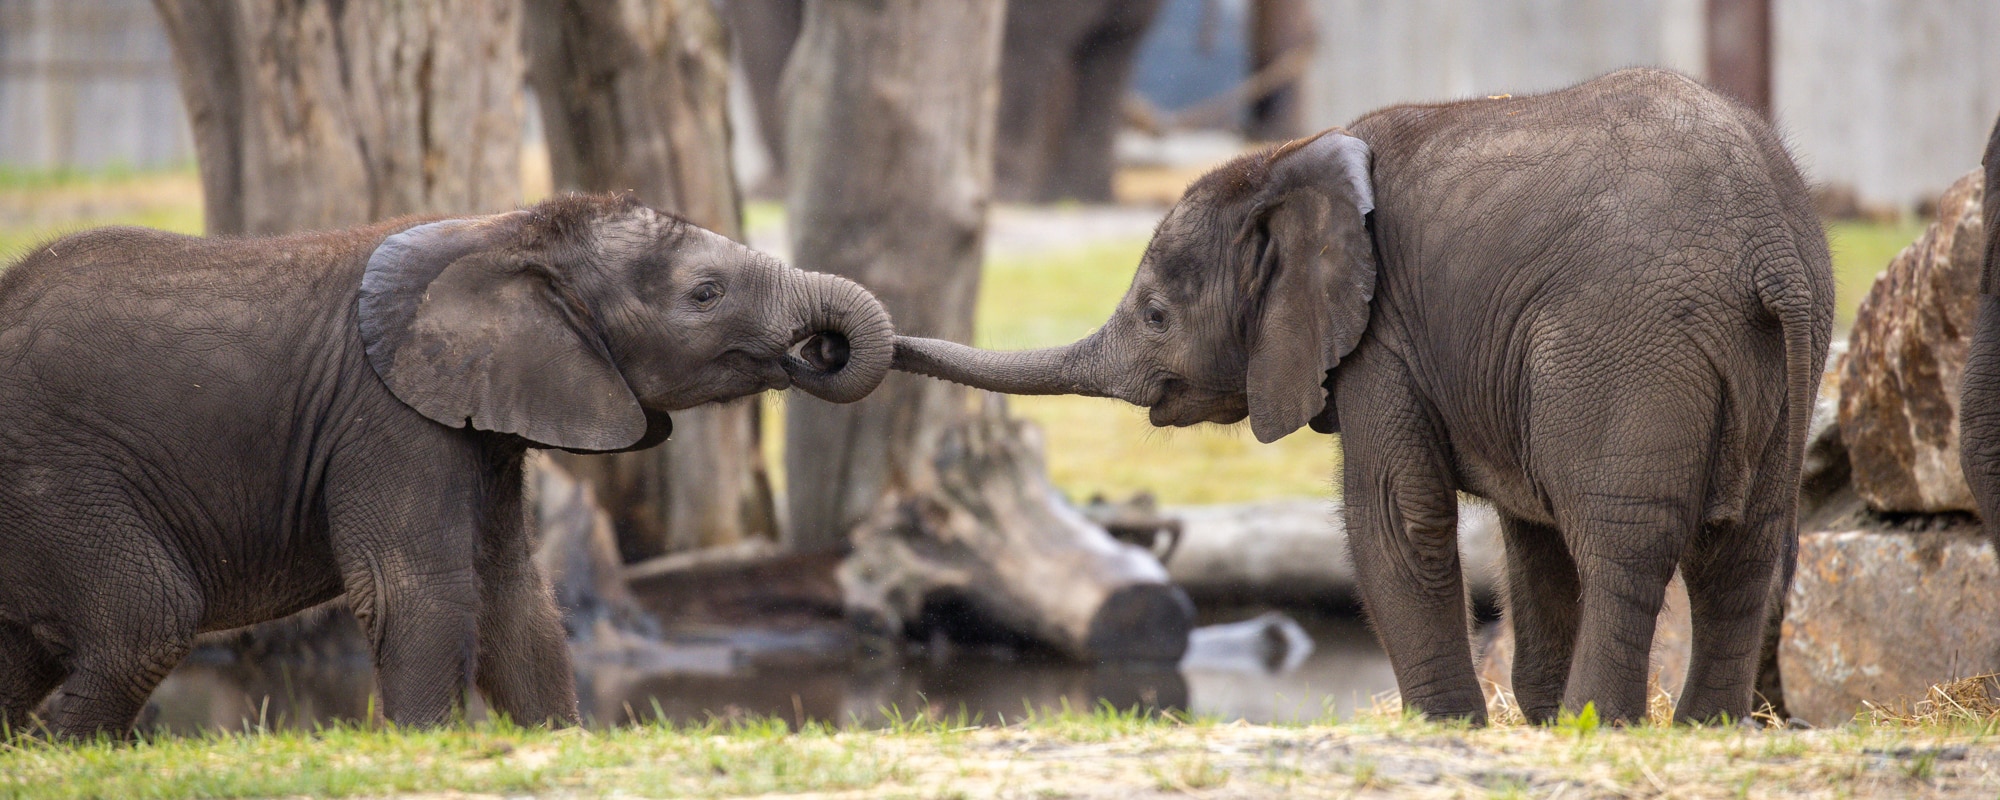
(1800, 296)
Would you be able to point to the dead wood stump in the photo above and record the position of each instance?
(994, 536)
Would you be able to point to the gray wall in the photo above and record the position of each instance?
(1891, 97)
(87, 83)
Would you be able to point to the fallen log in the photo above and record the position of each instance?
(994, 540)
(1294, 552)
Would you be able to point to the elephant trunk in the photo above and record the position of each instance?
(1075, 368)
(843, 341)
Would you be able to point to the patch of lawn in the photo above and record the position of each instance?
(1861, 250)
(1104, 752)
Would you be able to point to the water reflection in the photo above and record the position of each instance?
(1344, 671)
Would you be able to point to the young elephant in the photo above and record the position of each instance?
(1603, 309)
(1979, 386)
(207, 433)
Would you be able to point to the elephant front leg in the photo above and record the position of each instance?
(524, 664)
(1402, 532)
(421, 626)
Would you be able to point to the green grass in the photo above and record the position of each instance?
(1861, 250)
(1102, 753)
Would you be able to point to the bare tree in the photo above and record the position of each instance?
(634, 98)
(313, 114)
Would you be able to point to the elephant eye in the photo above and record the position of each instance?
(706, 294)
(1156, 318)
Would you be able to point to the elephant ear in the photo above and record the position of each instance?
(471, 333)
(1312, 275)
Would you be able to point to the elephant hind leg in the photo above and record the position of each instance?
(28, 672)
(115, 664)
(1542, 607)
(1731, 571)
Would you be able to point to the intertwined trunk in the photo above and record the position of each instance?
(633, 98)
(889, 141)
(312, 114)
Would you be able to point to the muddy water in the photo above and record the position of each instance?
(1344, 671)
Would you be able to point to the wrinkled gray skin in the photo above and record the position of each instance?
(1979, 387)
(207, 433)
(1603, 309)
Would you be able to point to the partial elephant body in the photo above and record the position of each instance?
(195, 439)
(1604, 309)
(1979, 386)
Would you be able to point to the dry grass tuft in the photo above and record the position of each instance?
(1973, 699)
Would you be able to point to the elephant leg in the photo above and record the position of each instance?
(524, 665)
(1733, 573)
(147, 626)
(1082, 163)
(1979, 415)
(1402, 532)
(405, 542)
(1542, 607)
(28, 672)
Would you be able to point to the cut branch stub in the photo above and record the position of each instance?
(994, 533)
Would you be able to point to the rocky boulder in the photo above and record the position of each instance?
(1878, 616)
(1899, 383)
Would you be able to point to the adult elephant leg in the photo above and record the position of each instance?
(1542, 607)
(405, 542)
(1402, 532)
(1979, 414)
(28, 672)
(524, 666)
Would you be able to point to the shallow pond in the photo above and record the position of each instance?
(1345, 670)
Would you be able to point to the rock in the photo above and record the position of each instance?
(1880, 616)
(1673, 640)
(1295, 551)
(1899, 384)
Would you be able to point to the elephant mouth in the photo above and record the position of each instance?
(1179, 406)
(823, 353)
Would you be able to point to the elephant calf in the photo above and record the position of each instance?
(202, 434)
(1604, 309)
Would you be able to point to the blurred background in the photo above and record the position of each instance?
(993, 169)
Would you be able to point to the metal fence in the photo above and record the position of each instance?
(87, 84)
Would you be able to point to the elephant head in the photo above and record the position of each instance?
(580, 322)
(1255, 286)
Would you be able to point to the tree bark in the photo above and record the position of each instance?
(310, 114)
(763, 32)
(889, 142)
(634, 98)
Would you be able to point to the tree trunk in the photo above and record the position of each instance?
(889, 142)
(312, 114)
(763, 32)
(634, 98)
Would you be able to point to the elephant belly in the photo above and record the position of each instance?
(251, 587)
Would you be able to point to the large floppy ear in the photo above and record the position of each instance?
(1312, 276)
(471, 332)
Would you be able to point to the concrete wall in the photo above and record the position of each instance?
(87, 83)
(1891, 97)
